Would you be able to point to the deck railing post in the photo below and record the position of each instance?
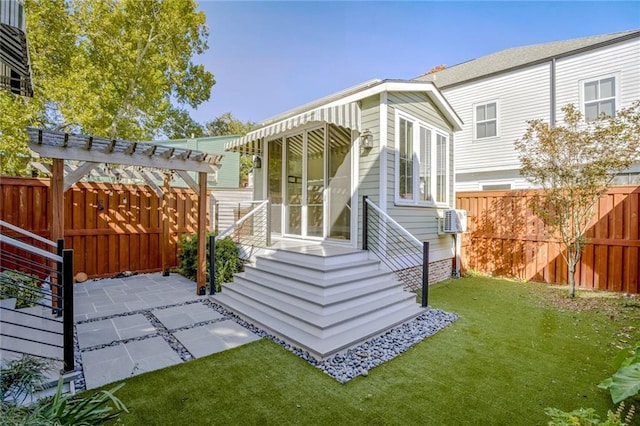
(268, 224)
(365, 226)
(425, 274)
(67, 310)
(216, 216)
(212, 264)
(56, 308)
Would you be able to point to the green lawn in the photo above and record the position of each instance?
(511, 354)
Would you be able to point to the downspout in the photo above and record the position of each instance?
(552, 94)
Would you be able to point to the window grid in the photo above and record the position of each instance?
(486, 119)
(422, 164)
(599, 98)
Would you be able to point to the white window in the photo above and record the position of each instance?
(422, 163)
(599, 98)
(485, 118)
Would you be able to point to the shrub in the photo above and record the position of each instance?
(625, 382)
(588, 416)
(227, 261)
(20, 286)
(24, 376)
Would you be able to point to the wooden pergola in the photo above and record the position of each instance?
(93, 151)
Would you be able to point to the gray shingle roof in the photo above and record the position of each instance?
(516, 57)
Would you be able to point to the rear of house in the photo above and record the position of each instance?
(389, 140)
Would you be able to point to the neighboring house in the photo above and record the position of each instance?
(495, 95)
(15, 66)
(315, 168)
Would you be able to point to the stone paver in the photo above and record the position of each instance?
(181, 316)
(208, 339)
(110, 312)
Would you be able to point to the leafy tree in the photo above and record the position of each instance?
(113, 68)
(436, 69)
(574, 164)
(227, 124)
(179, 124)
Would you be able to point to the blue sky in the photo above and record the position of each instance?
(269, 57)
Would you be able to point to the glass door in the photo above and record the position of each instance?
(339, 188)
(293, 184)
(315, 183)
(274, 183)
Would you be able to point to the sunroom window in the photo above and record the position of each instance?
(422, 166)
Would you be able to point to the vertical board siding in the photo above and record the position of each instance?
(506, 239)
(112, 228)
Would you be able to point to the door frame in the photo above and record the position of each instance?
(354, 150)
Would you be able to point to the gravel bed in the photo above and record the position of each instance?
(358, 360)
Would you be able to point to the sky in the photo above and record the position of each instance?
(269, 57)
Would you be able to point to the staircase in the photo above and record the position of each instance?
(321, 299)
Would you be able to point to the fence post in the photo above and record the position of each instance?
(425, 274)
(365, 227)
(67, 310)
(56, 289)
(212, 264)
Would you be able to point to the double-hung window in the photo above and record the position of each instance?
(485, 117)
(599, 98)
(422, 163)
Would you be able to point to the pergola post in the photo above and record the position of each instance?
(57, 199)
(164, 234)
(202, 231)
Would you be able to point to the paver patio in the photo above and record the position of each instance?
(127, 326)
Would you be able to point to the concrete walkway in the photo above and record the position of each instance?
(128, 326)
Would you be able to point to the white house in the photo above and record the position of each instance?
(496, 94)
(389, 140)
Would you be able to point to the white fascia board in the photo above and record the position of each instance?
(372, 88)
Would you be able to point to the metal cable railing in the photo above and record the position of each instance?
(250, 232)
(34, 277)
(396, 248)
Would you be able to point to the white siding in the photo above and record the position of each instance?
(521, 95)
(420, 221)
(621, 60)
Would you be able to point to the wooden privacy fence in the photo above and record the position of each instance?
(505, 238)
(112, 228)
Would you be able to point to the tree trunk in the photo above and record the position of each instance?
(572, 279)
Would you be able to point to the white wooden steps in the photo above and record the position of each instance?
(323, 303)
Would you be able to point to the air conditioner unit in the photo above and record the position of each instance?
(455, 221)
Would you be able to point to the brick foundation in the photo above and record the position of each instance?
(440, 270)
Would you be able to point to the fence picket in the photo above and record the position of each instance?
(505, 238)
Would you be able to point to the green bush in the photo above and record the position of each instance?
(227, 261)
(20, 286)
(625, 382)
(588, 416)
(22, 377)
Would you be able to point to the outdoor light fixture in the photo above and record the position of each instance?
(366, 139)
(257, 162)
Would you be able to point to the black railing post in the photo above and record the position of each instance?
(216, 216)
(365, 226)
(56, 308)
(67, 310)
(425, 274)
(268, 224)
(212, 264)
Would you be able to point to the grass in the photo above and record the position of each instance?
(513, 352)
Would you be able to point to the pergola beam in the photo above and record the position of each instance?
(71, 178)
(66, 146)
(186, 177)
